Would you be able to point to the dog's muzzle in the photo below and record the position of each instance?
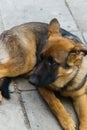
(34, 80)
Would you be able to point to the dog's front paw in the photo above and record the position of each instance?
(69, 124)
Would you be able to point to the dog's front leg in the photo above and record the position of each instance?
(80, 104)
(57, 108)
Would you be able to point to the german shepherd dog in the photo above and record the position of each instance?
(63, 68)
(54, 59)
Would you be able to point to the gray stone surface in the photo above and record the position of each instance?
(78, 9)
(17, 12)
(11, 87)
(24, 85)
(1, 24)
(39, 115)
(11, 114)
(26, 110)
(79, 34)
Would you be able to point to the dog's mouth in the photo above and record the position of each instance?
(40, 82)
(34, 80)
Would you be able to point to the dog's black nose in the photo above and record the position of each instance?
(33, 80)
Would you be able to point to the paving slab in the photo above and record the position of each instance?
(24, 85)
(11, 114)
(79, 9)
(39, 114)
(11, 87)
(17, 12)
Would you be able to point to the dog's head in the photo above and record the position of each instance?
(60, 59)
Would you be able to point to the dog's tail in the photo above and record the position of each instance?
(4, 87)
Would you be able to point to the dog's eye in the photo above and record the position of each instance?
(51, 61)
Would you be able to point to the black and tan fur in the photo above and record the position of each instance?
(63, 68)
(32, 46)
(19, 51)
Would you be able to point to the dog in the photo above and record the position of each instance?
(63, 68)
(22, 50)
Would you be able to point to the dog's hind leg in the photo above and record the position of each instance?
(12, 68)
(4, 88)
(8, 70)
(57, 108)
(3, 84)
(80, 104)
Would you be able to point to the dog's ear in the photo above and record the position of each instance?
(79, 48)
(54, 27)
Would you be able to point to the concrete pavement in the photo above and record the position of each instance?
(26, 110)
